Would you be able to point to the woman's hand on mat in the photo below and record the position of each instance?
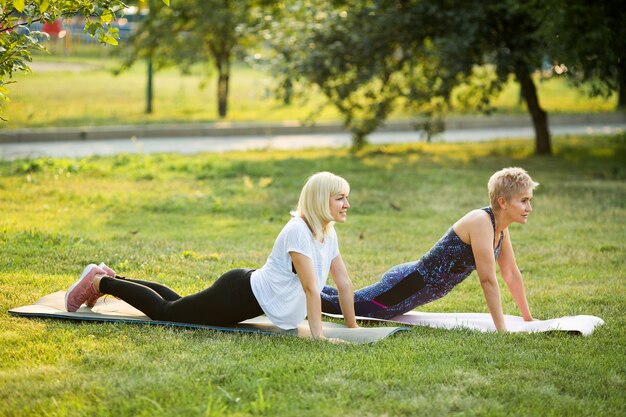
(336, 341)
(333, 340)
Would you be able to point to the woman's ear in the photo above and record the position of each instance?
(502, 203)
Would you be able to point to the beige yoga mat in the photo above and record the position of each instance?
(582, 324)
(109, 309)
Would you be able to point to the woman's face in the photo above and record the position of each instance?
(518, 207)
(339, 206)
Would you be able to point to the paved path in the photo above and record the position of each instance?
(189, 145)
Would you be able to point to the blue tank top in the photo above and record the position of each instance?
(451, 260)
(412, 284)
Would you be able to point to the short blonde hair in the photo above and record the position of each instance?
(314, 202)
(508, 182)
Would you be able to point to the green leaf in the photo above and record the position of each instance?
(19, 5)
(43, 6)
(91, 28)
(167, 2)
(106, 17)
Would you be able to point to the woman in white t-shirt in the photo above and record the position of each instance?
(287, 288)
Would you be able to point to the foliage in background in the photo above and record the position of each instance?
(17, 41)
(368, 57)
(589, 41)
(351, 53)
(198, 31)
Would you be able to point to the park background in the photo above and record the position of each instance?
(184, 219)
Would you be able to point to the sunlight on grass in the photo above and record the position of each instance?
(185, 219)
(56, 97)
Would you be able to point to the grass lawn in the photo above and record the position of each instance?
(58, 93)
(183, 220)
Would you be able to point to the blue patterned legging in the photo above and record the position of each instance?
(400, 289)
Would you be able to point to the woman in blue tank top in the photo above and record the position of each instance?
(475, 242)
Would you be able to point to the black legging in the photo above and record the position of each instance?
(228, 301)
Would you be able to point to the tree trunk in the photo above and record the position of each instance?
(149, 87)
(621, 85)
(222, 94)
(358, 140)
(221, 57)
(538, 115)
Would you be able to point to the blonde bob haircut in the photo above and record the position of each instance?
(507, 183)
(314, 202)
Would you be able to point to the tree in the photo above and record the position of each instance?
(363, 56)
(18, 41)
(506, 35)
(589, 38)
(198, 31)
(369, 57)
(515, 39)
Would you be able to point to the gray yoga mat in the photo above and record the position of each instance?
(109, 309)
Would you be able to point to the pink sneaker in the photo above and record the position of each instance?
(91, 301)
(110, 273)
(82, 289)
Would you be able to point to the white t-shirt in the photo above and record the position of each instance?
(277, 288)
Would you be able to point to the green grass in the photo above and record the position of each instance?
(63, 97)
(183, 220)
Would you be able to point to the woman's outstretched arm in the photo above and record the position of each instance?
(306, 273)
(346, 290)
(481, 237)
(513, 277)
